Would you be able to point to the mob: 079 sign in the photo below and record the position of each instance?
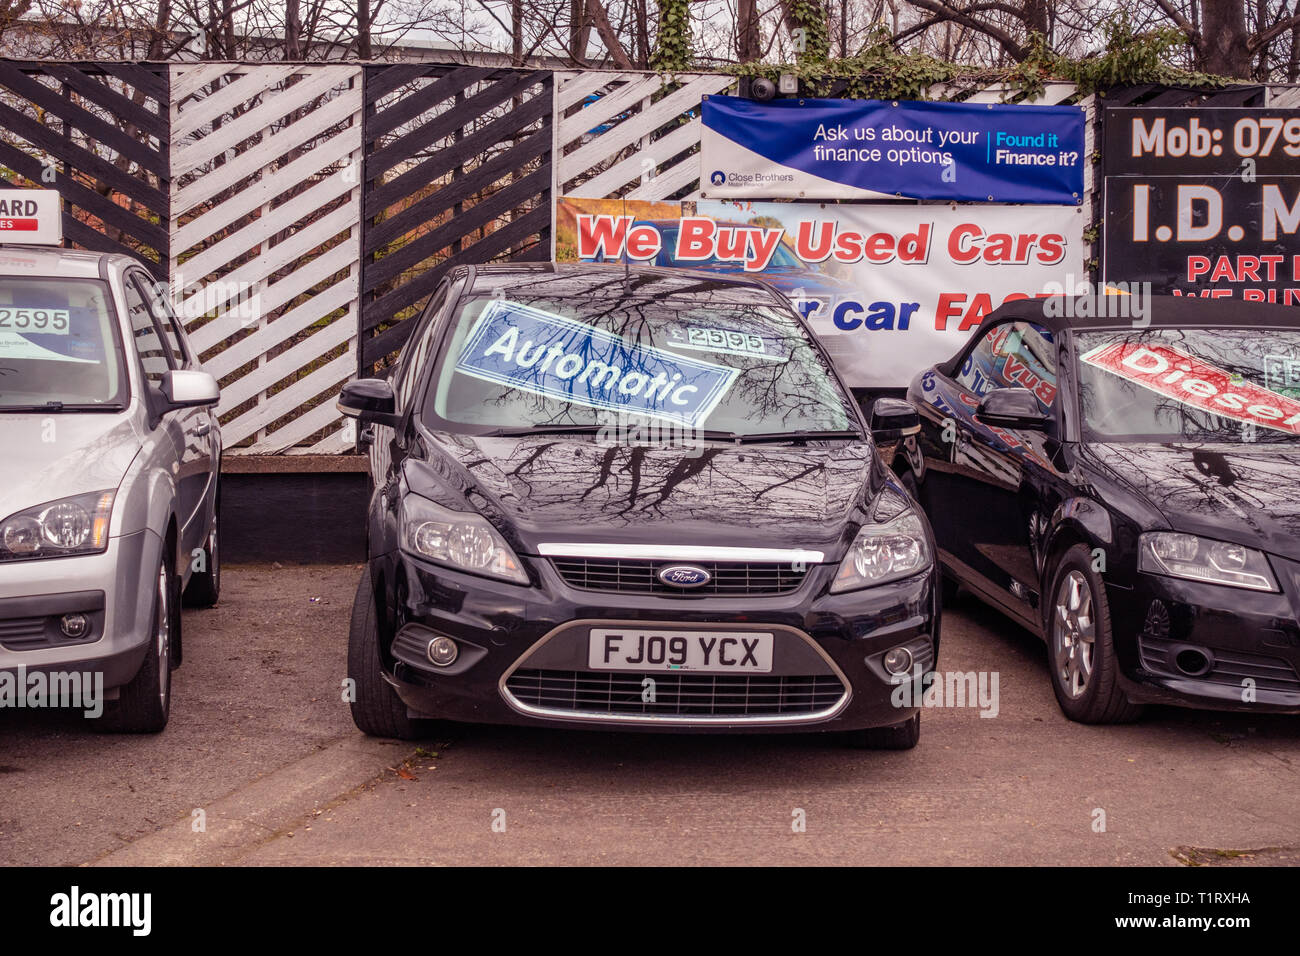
(1204, 201)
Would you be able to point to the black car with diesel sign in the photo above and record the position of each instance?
(1119, 475)
(633, 498)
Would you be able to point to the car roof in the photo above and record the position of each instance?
(564, 279)
(45, 261)
(1083, 313)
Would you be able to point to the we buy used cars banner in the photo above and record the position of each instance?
(890, 290)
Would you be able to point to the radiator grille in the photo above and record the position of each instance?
(735, 578)
(605, 693)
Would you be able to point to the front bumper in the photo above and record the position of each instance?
(112, 589)
(1250, 640)
(508, 634)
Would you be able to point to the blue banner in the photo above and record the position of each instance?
(873, 149)
(546, 354)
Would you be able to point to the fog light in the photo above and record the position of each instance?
(898, 661)
(443, 651)
(74, 625)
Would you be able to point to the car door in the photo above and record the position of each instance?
(201, 451)
(156, 358)
(405, 378)
(984, 483)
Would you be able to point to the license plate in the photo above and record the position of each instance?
(716, 652)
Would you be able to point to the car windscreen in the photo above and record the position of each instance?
(57, 344)
(1199, 385)
(746, 369)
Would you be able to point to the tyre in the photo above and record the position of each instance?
(1080, 650)
(145, 703)
(376, 709)
(205, 586)
(902, 736)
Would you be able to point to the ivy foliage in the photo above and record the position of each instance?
(673, 53)
(882, 71)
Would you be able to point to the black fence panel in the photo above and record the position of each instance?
(99, 134)
(457, 170)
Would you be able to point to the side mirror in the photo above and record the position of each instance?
(1014, 408)
(369, 400)
(892, 419)
(189, 388)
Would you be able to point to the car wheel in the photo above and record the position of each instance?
(145, 703)
(1080, 650)
(205, 586)
(902, 736)
(376, 708)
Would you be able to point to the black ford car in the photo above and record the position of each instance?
(639, 499)
(1127, 486)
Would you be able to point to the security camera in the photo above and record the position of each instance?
(762, 89)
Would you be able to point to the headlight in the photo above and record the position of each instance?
(460, 539)
(892, 546)
(76, 525)
(1203, 559)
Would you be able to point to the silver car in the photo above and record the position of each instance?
(109, 458)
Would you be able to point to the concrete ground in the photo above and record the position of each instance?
(261, 743)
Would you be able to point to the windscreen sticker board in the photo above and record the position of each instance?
(889, 290)
(13, 345)
(556, 357)
(1197, 384)
(877, 149)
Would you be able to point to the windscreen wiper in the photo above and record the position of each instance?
(800, 436)
(542, 430)
(56, 407)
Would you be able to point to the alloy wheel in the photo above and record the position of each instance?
(1074, 633)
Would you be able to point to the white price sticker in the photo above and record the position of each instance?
(29, 320)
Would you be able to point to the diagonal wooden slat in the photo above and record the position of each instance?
(607, 108)
(648, 138)
(475, 217)
(89, 124)
(431, 96)
(490, 247)
(192, 116)
(102, 94)
(309, 386)
(573, 88)
(461, 189)
(514, 84)
(188, 158)
(659, 151)
(274, 146)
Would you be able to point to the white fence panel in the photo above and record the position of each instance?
(265, 244)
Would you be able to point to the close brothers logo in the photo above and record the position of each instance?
(718, 177)
(76, 909)
(78, 690)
